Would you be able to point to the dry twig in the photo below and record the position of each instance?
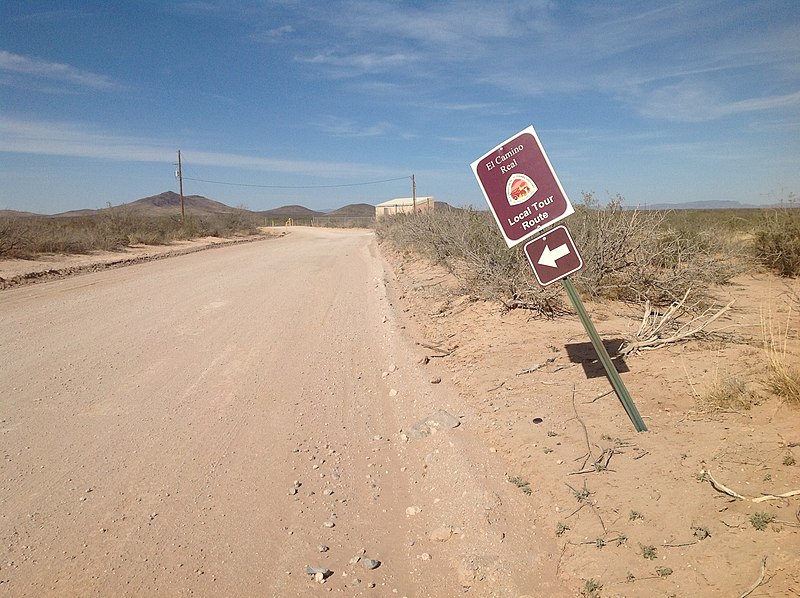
(760, 579)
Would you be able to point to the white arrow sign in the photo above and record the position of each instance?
(549, 256)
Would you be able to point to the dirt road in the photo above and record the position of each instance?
(213, 423)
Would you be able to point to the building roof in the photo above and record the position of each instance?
(404, 201)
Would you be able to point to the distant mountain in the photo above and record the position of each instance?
(163, 204)
(169, 201)
(16, 214)
(354, 210)
(443, 206)
(290, 212)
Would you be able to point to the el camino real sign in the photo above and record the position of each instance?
(521, 187)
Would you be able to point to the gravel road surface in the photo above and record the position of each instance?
(215, 423)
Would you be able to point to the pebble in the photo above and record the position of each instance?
(323, 548)
(292, 491)
(371, 563)
(327, 492)
(441, 534)
(411, 511)
(436, 380)
(425, 556)
(393, 392)
(355, 559)
(329, 524)
(320, 574)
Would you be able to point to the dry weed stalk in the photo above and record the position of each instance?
(784, 378)
(657, 330)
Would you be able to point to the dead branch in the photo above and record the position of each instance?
(759, 581)
(725, 490)
(720, 487)
(777, 496)
(657, 330)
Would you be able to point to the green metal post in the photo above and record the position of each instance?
(613, 375)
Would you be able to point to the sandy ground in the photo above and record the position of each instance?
(214, 423)
(648, 523)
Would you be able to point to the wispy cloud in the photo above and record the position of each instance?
(54, 71)
(77, 140)
(354, 64)
(342, 127)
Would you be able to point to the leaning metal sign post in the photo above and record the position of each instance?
(525, 197)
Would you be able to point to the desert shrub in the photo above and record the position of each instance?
(635, 255)
(112, 230)
(13, 237)
(467, 243)
(628, 255)
(777, 241)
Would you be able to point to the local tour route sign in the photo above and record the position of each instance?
(553, 255)
(522, 188)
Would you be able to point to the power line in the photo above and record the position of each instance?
(297, 186)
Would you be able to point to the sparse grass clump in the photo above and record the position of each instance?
(760, 521)
(730, 393)
(784, 371)
(522, 484)
(591, 588)
(663, 571)
(648, 552)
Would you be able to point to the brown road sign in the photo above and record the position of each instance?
(521, 187)
(553, 255)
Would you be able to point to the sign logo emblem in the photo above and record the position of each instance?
(519, 189)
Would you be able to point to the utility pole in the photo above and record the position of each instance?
(414, 194)
(180, 184)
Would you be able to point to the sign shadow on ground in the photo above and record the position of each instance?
(584, 354)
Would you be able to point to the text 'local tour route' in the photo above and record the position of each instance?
(522, 188)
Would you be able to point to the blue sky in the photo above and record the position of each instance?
(670, 101)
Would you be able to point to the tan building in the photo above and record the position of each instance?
(404, 205)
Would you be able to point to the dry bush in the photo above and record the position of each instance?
(634, 255)
(729, 393)
(628, 255)
(777, 240)
(467, 243)
(112, 230)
